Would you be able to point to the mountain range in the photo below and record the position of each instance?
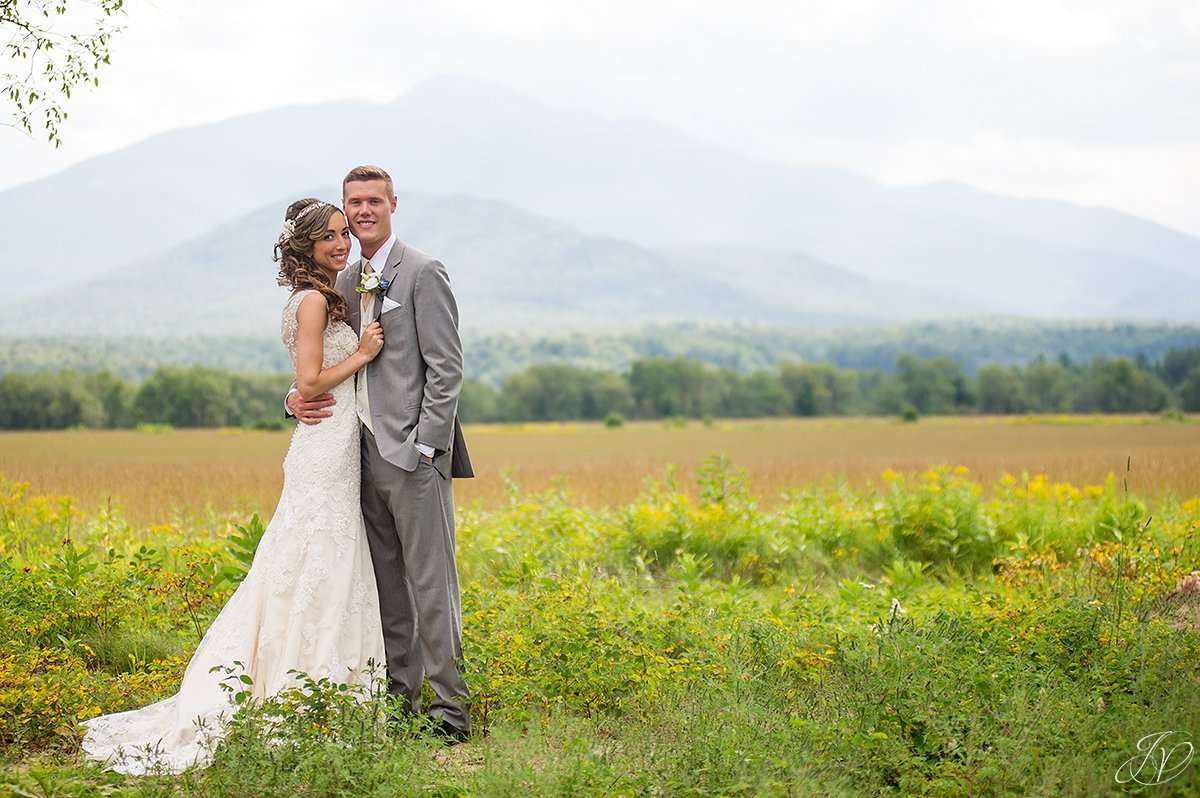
(511, 271)
(548, 218)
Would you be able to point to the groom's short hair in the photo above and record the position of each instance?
(369, 172)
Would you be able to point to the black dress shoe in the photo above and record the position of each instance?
(448, 733)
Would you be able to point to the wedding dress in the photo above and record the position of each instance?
(308, 602)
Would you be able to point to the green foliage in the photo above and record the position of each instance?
(819, 389)
(1189, 391)
(478, 402)
(135, 359)
(1178, 366)
(742, 348)
(652, 388)
(936, 386)
(1000, 390)
(551, 392)
(1120, 386)
(746, 348)
(65, 399)
(664, 387)
(931, 636)
(241, 548)
(57, 62)
(940, 521)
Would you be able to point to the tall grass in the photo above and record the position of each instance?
(161, 477)
(928, 634)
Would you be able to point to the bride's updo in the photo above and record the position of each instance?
(304, 223)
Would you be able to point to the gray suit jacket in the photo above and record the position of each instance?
(415, 381)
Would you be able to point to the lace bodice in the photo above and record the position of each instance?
(340, 340)
(338, 344)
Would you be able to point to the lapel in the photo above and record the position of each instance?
(393, 261)
(352, 296)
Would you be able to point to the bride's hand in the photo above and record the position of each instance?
(372, 340)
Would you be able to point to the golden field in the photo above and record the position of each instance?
(152, 476)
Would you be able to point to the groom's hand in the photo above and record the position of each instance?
(310, 411)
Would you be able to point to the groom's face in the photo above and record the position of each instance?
(369, 207)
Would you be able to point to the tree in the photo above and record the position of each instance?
(1049, 387)
(934, 386)
(53, 46)
(1189, 391)
(607, 393)
(49, 401)
(193, 397)
(114, 395)
(478, 402)
(255, 398)
(818, 389)
(1178, 365)
(553, 392)
(1119, 386)
(665, 387)
(1000, 389)
(758, 395)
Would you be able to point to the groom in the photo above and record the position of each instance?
(407, 401)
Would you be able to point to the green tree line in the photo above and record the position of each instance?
(182, 397)
(652, 388)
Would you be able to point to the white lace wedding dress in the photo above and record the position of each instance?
(308, 602)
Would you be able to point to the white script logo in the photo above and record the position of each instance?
(1160, 759)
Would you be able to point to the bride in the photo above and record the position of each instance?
(308, 602)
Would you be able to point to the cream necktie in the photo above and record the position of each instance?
(366, 300)
(366, 304)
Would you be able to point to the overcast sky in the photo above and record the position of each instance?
(1091, 101)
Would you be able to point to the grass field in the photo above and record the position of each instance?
(152, 476)
(849, 619)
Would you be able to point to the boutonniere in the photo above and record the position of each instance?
(372, 283)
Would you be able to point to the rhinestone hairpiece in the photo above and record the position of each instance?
(308, 208)
(289, 226)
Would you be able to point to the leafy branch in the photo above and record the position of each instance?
(52, 47)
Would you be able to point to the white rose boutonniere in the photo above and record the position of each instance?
(372, 283)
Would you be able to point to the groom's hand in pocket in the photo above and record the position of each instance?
(310, 411)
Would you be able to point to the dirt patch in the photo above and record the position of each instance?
(1182, 606)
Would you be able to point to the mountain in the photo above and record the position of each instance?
(629, 179)
(511, 271)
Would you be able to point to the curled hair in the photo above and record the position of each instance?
(305, 222)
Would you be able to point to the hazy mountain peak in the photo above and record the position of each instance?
(633, 180)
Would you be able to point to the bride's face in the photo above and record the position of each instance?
(331, 249)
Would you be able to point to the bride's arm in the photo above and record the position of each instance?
(311, 379)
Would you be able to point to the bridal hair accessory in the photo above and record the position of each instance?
(289, 226)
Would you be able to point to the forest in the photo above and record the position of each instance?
(652, 388)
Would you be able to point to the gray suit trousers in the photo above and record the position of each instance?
(410, 528)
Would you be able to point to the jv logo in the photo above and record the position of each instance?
(1161, 757)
